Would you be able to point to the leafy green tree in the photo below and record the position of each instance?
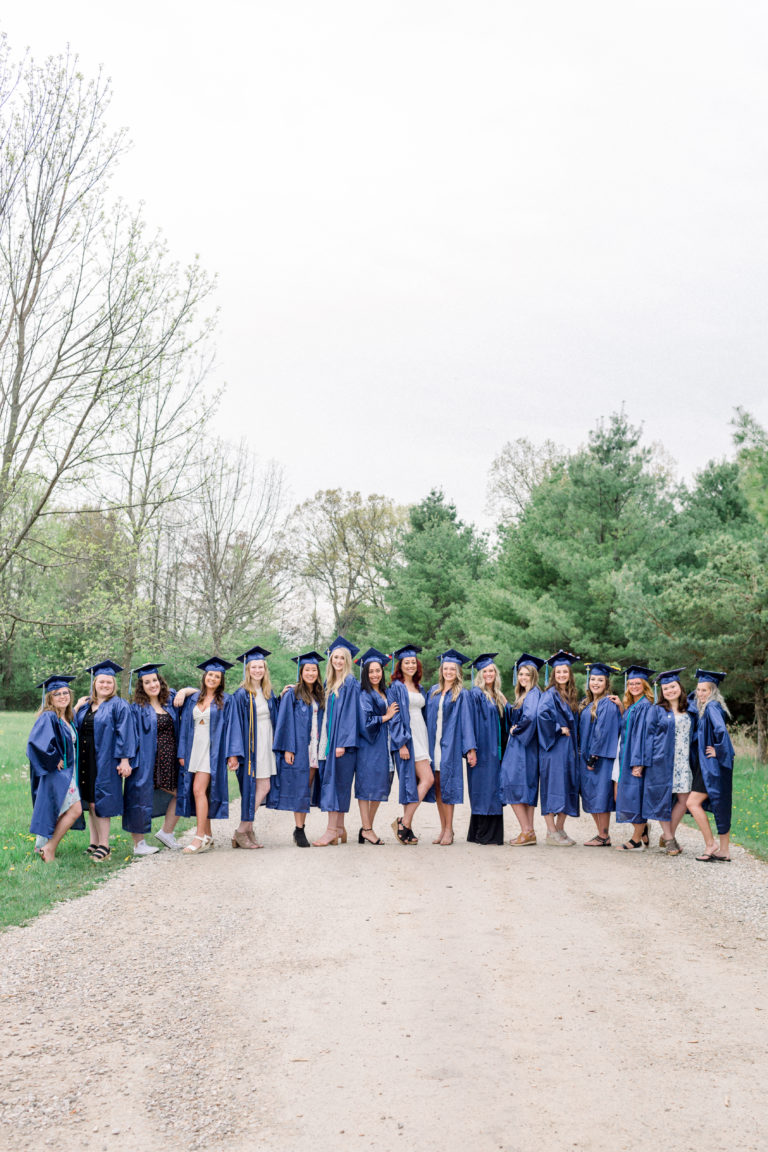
(440, 559)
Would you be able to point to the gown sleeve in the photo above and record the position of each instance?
(399, 725)
(604, 736)
(126, 737)
(466, 720)
(547, 720)
(234, 739)
(43, 751)
(285, 729)
(345, 715)
(370, 722)
(718, 737)
(526, 726)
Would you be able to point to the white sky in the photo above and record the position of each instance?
(438, 226)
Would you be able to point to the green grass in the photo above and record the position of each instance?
(28, 885)
(750, 806)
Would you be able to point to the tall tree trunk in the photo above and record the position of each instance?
(761, 719)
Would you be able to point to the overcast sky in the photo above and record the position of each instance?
(438, 226)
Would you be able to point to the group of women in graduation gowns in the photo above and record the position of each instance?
(544, 747)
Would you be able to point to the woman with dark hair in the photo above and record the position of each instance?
(296, 745)
(635, 752)
(338, 740)
(491, 720)
(56, 803)
(451, 738)
(558, 755)
(155, 775)
(599, 725)
(250, 734)
(373, 774)
(712, 786)
(106, 747)
(409, 739)
(520, 764)
(203, 789)
(668, 779)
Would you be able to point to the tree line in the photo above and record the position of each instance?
(123, 533)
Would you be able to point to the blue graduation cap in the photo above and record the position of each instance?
(371, 656)
(668, 677)
(341, 642)
(103, 668)
(705, 677)
(562, 657)
(144, 670)
(214, 664)
(526, 658)
(306, 658)
(638, 672)
(451, 656)
(600, 668)
(255, 653)
(408, 650)
(53, 682)
(483, 660)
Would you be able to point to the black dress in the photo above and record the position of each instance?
(166, 764)
(86, 760)
(486, 829)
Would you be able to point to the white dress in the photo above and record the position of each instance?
(419, 735)
(200, 759)
(265, 757)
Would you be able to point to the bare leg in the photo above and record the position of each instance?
(63, 825)
(200, 792)
(99, 827)
(524, 816)
(679, 810)
(695, 802)
(440, 809)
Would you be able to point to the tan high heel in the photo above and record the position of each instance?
(325, 843)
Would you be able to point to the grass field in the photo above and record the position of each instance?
(28, 886)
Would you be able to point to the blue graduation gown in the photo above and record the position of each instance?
(458, 738)
(717, 771)
(50, 742)
(400, 737)
(520, 763)
(634, 750)
(139, 790)
(241, 740)
(218, 794)
(114, 737)
(558, 768)
(336, 773)
(290, 787)
(374, 764)
(491, 732)
(598, 738)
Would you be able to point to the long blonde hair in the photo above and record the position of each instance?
(718, 698)
(520, 692)
(647, 692)
(335, 679)
(494, 693)
(458, 683)
(266, 682)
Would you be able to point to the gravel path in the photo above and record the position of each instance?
(391, 998)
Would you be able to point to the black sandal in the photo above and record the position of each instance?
(101, 854)
(364, 839)
(91, 849)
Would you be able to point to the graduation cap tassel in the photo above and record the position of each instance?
(514, 677)
(130, 682)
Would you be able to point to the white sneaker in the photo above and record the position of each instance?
(144, 849)
(168, 839)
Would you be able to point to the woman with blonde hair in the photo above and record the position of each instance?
(296, 743)
(451, 739)
(599, 725)
(635, 752)
(491, 718)
(51, 746)
(203, 790)
(249, 739)
(712, 786)
(558, 755)
(520, 764)
(338, 740)
(106, 747)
